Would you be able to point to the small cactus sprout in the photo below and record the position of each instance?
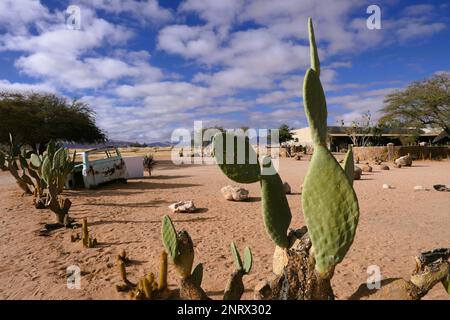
(197, 275)
(122, 256)
(126, 285)
(331, 219)
(163, 271)
(235, 286)
(147, 287)
(245, 266)
(88, 241)
(236, 257)
(179, 247)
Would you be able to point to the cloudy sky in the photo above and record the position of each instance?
(148, 67)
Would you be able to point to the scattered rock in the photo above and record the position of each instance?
(405, 161)
(357, 173)
(279, 261)
(384, 167)
(397, 166)
(234, 193)
(268, 289)
(420, 188)
(287, 188)
(378, 161)
(387, 186)
(183, 207)
(442, 187)
(298, 156)
(366, 168)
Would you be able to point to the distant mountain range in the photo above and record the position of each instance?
(117, 143)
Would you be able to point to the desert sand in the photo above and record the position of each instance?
(395, 225)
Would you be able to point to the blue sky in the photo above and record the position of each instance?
(148, 67)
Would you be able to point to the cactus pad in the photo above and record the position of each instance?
(275, 208)
(315, 107)
(185, 257)
(248, 260)
(314, 56)
(197, 275)
(349, 165)
(331, 209)
(169, 236)
(236, 257)
(446, 284)
(35, 160)
(240, 170)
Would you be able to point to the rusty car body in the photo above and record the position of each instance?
(96, 167)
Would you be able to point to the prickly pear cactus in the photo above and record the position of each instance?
(446, 284)
(239, 162)
(179, 247)
(197, 275)
(329, 202)
(236, 256)
(349, 165)
(275, 207)
(243, 266)
(169, 237)
(248, 260)
(185, 257)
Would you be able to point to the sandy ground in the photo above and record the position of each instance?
(395, 225)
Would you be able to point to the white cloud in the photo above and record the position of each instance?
(257, 48)
(147, 11)
(6, 85)
(17, 15)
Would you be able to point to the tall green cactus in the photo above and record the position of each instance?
(329, 202)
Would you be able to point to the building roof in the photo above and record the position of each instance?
(337, 131)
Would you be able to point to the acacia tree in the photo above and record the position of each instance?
(422, 104)
(360, 130)
(36, 118)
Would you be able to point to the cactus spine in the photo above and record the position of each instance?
(331, 219)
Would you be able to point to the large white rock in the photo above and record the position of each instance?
(183, 206)
(405, 161)
(234, 193)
